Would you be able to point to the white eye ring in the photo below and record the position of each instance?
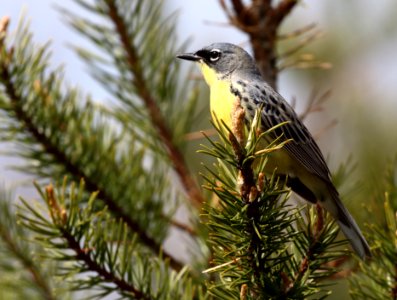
(215, 54)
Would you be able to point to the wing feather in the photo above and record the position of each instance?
(276, 110)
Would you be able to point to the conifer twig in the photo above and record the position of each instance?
(297, 32)
(315, 103)
(184, 227)
(83, 254)
(155, 113)
(70, 167)
(4, 21)
(28, 264)
(310, 251)
(7, 239)
(196, 135)
(301, 44)
(345, 273)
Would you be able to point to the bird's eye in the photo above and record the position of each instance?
(214, 55)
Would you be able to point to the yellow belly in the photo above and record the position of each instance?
(221, 102)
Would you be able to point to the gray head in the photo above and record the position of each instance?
(224, 59)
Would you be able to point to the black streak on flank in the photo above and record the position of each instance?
(235, 91)
(255, 97)
(273, 100)
(242, 83)
(282, 106)
(249, 107)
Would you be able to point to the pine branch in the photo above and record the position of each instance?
(61, 219)
(310, 252)
(6, 229)
(71, 168)
(9, 65)
(90, 241)
(183, 227)
(155, 114)
(82, 254)
(28, 264)
(15, 247)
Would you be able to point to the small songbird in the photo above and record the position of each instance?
(231, 72)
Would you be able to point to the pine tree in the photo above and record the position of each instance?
(110, 179)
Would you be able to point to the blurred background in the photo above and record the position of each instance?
(359, 40)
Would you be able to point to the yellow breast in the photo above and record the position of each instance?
(221, 105)
(221, 99)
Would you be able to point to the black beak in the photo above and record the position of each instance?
(189, 56)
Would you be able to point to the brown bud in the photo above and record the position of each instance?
(243, 291)
(238, 116)
(261, 181)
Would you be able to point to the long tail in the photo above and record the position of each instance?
(347, 224)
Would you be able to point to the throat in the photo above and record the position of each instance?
(221, 102)
(221, 98)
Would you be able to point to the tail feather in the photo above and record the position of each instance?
(314, 189)
(357, 240)
(348, 226)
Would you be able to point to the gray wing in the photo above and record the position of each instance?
(276, 110)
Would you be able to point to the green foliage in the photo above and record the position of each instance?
(128, 63)
(90, 243)
(58, 131)
(377, 278)
(20, 264)
(262, 247)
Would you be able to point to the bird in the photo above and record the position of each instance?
(231, 72)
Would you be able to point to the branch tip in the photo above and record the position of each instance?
(4, 22)
(238, 117)
(253, 194)
(243, 291)
(261, 181)
(58, 214)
